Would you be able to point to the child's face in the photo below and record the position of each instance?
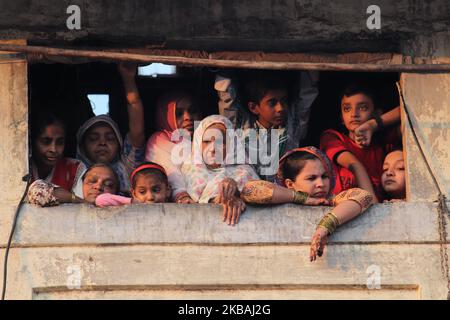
(98, 180)
(313, 179)
(49, 145)
(100, 144)
(356, 110)
(149, 188)
(186, 115)
(272, 109)
(214, 147)
(393, 177)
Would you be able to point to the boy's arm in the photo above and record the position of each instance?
(300, 108)
(135, 107)
(364, 132)
(229, 104)
(349, 161)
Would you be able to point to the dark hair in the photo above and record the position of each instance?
(42, 120)
(261, 82)
(149, 171)
(358, 88)
(295, 163)
(103, 165)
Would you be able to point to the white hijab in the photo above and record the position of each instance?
(202, 183)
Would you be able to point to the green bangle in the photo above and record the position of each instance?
(299, 197)
(329, 222)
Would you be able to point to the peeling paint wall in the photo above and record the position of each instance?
(427, 97)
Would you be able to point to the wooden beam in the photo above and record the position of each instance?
(99, 55)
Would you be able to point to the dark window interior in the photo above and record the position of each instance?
(63, 89)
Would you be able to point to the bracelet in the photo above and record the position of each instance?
(329, 222)
(379, 121)
(73, 197)
(299, 197)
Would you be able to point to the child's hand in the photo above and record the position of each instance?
(363, 134)
(127, 70)
(227, 190)
(232, 210)
(318, 243)
(318, 202)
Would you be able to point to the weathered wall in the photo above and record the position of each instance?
(427, 96)
(13, 126)
(172, 251)
(295, 25)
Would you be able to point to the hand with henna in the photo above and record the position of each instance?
(227, 190)
(318, 243)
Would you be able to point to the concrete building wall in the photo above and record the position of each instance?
(174, 251)
(293, 25)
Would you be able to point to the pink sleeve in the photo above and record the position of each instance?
(108, 200)
(159, 150)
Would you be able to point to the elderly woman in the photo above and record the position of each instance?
(98, 179)
(210, 174)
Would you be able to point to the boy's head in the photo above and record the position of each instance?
(393, 177)
(357, 106)
(149, 184)
(267, 98)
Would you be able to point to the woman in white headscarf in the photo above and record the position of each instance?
(210, 174)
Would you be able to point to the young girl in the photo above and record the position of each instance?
(358, 158)
(98, 179)
(176, 113)
(48, 163)
(99, 139)
(149, 184)
(393, 177)
(209, 174)
(307, 177)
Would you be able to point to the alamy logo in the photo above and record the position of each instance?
(374, 277)
(73, 22)
(374, 20)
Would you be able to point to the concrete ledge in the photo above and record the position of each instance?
(73, 225)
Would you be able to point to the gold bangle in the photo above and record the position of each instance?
(329, 222)
(335, 217)
(299, 197)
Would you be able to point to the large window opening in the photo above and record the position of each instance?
(75, 93)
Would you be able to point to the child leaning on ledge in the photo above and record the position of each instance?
(358, 157)
(149, 184)
(98, 179)
(393, 177)
(307, 177)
